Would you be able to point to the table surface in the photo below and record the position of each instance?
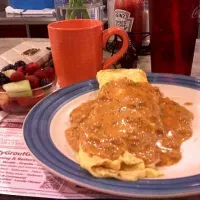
(144, 63)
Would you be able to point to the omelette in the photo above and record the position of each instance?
(123, 133)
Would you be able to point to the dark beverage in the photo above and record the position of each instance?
(174, 30)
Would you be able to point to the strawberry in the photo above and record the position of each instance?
(21, 69)
(17, 76)
(41, 74)
(39, 94)
(31, 101)
(34, 81)
(26, 101)
(31, 68)
(11, 105)
(51, 73)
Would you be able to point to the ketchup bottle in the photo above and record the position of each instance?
(129, 15)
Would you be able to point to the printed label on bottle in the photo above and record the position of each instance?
(196, 13)
(123, 20)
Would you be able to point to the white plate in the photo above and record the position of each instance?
(48, 143)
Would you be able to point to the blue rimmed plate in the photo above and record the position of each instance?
(44, 135)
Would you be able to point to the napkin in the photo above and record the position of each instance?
(46, 11)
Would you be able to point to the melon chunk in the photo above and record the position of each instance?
(9, 72)
(18, 89)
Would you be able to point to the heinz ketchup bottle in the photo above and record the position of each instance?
(129, 15)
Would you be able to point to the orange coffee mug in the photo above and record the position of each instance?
(77, 49)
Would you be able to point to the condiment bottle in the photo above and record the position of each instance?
(129, 15)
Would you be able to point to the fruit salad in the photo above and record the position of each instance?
(23, 85)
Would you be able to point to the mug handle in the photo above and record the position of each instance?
(125, 39)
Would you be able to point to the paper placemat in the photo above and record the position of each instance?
(21, 174)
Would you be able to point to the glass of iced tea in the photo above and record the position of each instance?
(174, 30)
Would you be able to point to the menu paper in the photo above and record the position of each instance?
(21, 174)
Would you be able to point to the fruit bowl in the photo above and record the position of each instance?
(23, 85)
(23, 101)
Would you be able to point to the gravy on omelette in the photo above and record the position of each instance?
(133, 117)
